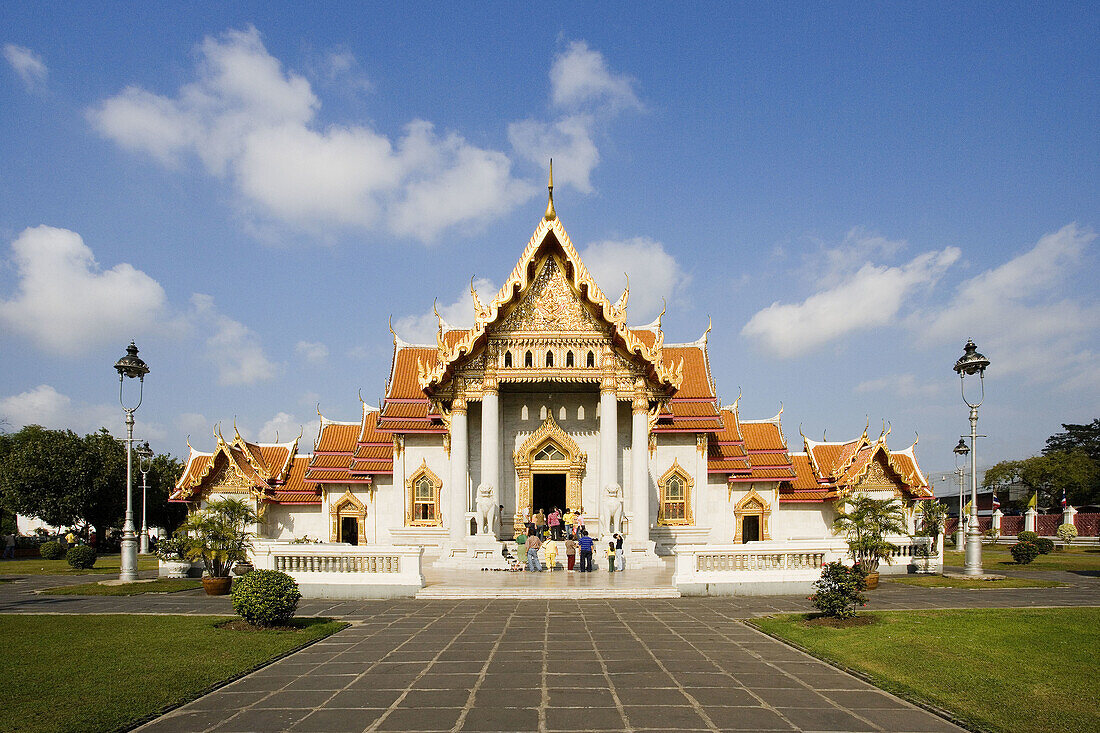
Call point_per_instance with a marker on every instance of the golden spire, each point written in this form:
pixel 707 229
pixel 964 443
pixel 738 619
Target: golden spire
pixel 550 213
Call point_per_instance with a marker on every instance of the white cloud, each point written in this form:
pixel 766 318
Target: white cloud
pixel 587 94
pixel 28 65
pixel 421 329
pixel 1021 312
pixel 568 141
pixel 313 352
pixel 284 427
pixel 655 275
pixel 66 304
pixel 253 123
pixel 870 297
pixel 580 76
pixel 901 385
pixel 194 424
pixel 234 349
pixel 47 407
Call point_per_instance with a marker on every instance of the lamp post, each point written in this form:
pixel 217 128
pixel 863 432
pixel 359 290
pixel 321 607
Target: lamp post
pixel 960 452
pixel 145 465
pixel 130 366
pixel 969 364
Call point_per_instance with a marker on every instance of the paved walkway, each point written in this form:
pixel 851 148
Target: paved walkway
pixel 549 664
pixel 684 665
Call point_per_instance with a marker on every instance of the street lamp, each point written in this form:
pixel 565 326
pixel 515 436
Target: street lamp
pixel 130 366
pixel 960 452
pixel 969 364
pixel 145 465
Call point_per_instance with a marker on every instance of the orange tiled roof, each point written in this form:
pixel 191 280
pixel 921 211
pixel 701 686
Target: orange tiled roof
pixel 337 437
pixel 274 469
pixel 762 436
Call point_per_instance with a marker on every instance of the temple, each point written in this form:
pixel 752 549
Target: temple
pixel 551 400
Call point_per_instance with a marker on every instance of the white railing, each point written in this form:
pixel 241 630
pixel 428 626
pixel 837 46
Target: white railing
pixel 336 570
pixel 755 563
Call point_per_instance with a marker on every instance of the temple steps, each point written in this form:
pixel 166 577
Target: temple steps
pixel 519 592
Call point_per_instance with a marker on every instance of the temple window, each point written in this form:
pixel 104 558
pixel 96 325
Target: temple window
pixel 675 497
pixel 580 412
pixel 542 412
pixel 561 414
pixel 523 413
pixel 423 488
pixel 569 359
pixel 528 360
pixel 591 363
pixel 549 358
pixel 549 452
pixel 507 358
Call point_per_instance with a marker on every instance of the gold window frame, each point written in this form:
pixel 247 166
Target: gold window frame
pixel 675 471
pixel 423 472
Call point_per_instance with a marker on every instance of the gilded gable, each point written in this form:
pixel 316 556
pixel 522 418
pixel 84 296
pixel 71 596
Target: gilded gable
pixel 550 305
pixel 880 477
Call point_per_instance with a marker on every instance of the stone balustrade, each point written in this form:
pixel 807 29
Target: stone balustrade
pixel 336 570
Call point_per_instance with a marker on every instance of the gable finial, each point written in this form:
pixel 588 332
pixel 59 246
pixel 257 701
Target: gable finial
pixel 550 213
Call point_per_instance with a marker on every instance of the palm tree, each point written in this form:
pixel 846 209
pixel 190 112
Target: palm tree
pixel 219 535
pixel 865 525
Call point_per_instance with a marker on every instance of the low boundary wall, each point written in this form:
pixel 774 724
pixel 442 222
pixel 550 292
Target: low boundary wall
pixel 780 567
pixel 339 571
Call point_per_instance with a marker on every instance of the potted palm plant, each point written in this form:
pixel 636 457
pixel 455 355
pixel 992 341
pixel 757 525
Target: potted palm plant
pixel 219 534
pixel 866 522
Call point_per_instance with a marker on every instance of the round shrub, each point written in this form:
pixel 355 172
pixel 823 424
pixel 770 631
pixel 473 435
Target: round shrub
pixel 1066 532
pixel 265 597
pixel 51 550
pixel 1024 552
pixel 1046 546
pixel 81 557
pixel 1027 537
pixel 838 590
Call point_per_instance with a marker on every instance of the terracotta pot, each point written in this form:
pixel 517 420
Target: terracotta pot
pixel 217 586
pixel 872 580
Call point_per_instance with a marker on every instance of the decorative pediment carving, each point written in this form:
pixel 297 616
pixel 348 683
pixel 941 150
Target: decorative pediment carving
pixel 550 305
pixel 880 477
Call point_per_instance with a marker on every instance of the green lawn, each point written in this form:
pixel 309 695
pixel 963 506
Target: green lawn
pixel 103 564
pixel 99 673
pixel 160 585
pixel 1018 670
pixel 998 557
pixel 939 581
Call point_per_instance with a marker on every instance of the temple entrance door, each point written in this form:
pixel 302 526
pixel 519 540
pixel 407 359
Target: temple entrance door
pixel 349 530
pixel 750 529
pixel 547 492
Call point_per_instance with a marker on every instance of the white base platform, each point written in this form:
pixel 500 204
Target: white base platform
pixel 475 553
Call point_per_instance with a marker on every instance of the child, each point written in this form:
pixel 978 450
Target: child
pixel 551 550
pixel 570 551
pixel 611 557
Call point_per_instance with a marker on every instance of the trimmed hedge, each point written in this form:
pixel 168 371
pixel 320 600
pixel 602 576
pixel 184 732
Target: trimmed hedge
pixel 266 597
pixel 1024 552
pixel 837 591
pixel 1027 537
pixel 1045 545
pixel 51 550
pixel 81 557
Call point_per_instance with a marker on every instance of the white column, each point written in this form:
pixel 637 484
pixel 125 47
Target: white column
pixel 609 430
pixel 490 438
pixel 1029 519
pixel 460 453
pixel 639 467
pixel 1068 514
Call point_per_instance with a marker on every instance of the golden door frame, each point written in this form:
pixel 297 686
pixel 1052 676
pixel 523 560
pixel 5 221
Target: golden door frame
pixel 573 466
pixel 751 505
pixel 347 506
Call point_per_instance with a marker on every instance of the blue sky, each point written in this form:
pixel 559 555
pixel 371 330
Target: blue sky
pixel 251 191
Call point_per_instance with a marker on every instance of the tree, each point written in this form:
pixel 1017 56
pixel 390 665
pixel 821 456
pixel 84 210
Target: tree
pixel 39 470
pixel 101 491
pixel 934 517
pixel 1084 438
pixel 1049 474
pixel 163 475
pixel 866 525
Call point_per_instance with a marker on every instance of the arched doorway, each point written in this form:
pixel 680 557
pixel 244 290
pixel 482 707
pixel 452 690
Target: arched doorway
pixel 349 520
pixel 549 467
pixel 751 516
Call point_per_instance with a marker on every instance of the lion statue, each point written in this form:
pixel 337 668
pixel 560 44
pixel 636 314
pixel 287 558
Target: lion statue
pixel 488 512
pixel 611 513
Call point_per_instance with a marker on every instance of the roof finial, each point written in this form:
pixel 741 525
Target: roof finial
pixel 550 213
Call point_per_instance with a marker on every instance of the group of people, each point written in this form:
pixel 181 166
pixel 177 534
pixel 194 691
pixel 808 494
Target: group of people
pixel 543 531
